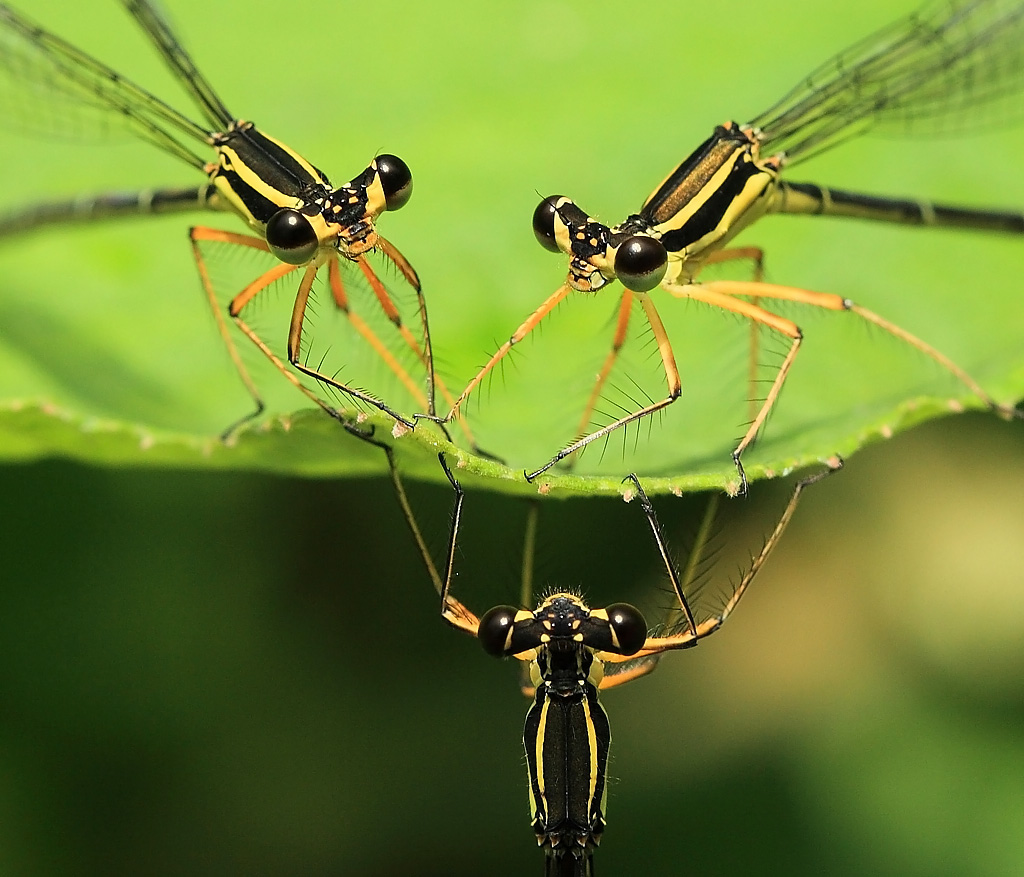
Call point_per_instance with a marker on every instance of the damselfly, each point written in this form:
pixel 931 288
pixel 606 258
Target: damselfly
pixel 294 212
pixel 931 68
pixel 572 652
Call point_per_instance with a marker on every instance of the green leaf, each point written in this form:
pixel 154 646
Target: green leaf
pixel 109 355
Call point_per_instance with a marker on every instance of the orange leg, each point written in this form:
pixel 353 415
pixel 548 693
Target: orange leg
pixel 621 327
pixel 1007 412
pixel 833 302
pixel 280 366
pixel 203 233
pixel 722 294
pixel 239 302
pixel 675 389
pixel 693 633
pixel 294 351
pixel 408 272
pixel 828 301
pixel 528 325
pixel 641 668
pixel 341 300
pixel 756 256
pixel 425 352
pixel 245 296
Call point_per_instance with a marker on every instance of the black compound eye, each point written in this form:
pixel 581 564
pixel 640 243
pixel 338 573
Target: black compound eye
pixel 395 179
pixel 495 627
pixel 629 626
pixel 291 237
pixel 544 223
pixel 640 263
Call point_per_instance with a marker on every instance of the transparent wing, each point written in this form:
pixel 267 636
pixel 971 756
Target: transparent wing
pixel 51 87
pixel 155 25
pixel 940 69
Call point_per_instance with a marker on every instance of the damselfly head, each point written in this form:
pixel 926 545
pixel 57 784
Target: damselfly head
pixel 385 185
pixel 562 620
pixel 560 226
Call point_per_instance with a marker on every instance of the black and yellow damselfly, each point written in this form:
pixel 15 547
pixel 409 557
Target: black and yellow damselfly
pixel 291 208
pixel 930 69
pixel 571 651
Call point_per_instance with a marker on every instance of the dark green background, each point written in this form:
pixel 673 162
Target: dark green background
pixel 207 673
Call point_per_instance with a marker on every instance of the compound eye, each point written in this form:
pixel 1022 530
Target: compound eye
pixel 544 223
pixel 640 263
pixel 291 237
pixel 629 627
pixel 395 179
pixel 495 628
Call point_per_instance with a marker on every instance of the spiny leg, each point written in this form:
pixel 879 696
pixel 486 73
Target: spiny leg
pixel 197 234
pixel 830 301
pixel 452 610
pixel 239 302
pixel 686 639
pixel 1007 412
pixel 675 389
pixel 403 502
pixel 662 544
pixel 527 326
pixel 341 301
pixel 621 327
pixel 294 352
pixel 756 256
pixel 424 354
pixel 721 294
pixel 641 667
pixel 281 367
pixel 203 233
pixel 680 582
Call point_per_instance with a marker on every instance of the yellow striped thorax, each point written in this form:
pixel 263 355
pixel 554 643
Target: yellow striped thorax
pixel 292 203
pixel 722 187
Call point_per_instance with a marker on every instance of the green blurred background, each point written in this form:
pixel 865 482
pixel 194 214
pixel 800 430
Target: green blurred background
pixel 240 674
